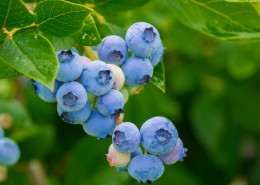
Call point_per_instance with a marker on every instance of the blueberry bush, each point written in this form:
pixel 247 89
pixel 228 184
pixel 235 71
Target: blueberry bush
pixel 207 86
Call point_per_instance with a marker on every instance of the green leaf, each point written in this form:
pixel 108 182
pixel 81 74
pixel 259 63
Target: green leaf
pixel 122 5
pixel 60 18
pixel 7 71
pixel 89 34
pixel 108 28
pixel 220 19
pixel 117 5
pixel 32 55
pixel 2 37
pixel 158 78
pixel 242 1
pixel 14 14
pixel 60 43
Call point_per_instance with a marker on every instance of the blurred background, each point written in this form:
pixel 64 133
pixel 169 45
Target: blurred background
pixel 212 96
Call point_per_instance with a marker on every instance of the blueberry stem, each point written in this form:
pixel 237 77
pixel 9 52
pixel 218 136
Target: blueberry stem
pixel 135 90
pixel 90 53
pixel 94 103
pixel 3 173
pixel 119 121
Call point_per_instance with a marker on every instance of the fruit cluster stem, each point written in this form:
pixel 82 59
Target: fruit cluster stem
pixel 3 173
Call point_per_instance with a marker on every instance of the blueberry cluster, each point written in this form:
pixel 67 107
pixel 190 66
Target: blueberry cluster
pixel 143 40
pixel 158 137
pixel 9 150
pixel 90 93
pixel 86 93
pixel 80 80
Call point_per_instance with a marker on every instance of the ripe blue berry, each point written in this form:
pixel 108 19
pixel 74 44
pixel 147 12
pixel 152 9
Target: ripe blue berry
pixel 158 135
pixel 71 66
pixel 157 56
pixel 2 133
pixel 143 39
pixel 137 152
pixel 126 137
pixel 71 96
pixel 113 49
pixel 76 117
pixel 44 93
pixel 74 50
pixel 98 125
pixel 9 152
pixel 138 71
pixel 146 168
pixel 177 154
pixel 97 78
pixel 111 104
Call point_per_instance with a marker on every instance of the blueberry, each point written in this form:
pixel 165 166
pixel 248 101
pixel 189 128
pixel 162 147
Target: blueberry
pixel 143 39
pixel 97 78
pixel 2 133
pixel 177 154
pixel 113 49
pixel 138 71
pixel 9 152
pixel 123 169
pixel 146 168
pixel 116 158
pixel 98 125
pixel 71 66
pixel 126 137
pixel 76 117
pixel 44 93
pixel 111 104
pixel 71 96
pixel 118 75
pixel 74 50
pixel 158 135
pixel 137 152
pixel 157 56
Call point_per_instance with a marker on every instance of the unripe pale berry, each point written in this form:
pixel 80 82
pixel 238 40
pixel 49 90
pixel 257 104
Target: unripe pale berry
pixel 116 158
pixel 118 75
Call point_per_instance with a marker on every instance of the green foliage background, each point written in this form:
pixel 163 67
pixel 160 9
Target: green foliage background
pixel 212 96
